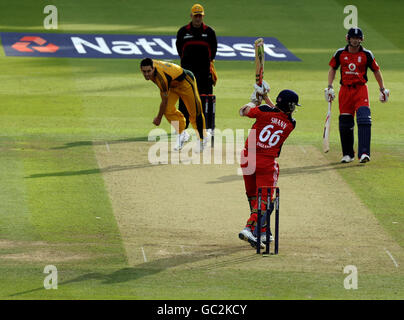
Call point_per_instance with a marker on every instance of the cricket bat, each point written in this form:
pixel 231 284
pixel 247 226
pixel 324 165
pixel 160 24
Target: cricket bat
pixel 326 133
pixel 259 60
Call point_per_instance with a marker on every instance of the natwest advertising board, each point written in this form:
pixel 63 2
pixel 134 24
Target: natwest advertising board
pixel 129 46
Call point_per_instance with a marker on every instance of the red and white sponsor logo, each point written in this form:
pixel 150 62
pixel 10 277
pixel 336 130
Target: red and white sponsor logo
pixel 31 44
pixel 129 46
pixel 352 66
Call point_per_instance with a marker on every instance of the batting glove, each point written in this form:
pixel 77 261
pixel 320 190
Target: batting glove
pixel 263 89
pixel 248 105
pixel 256 98
pixel 329 94
pixel 384 95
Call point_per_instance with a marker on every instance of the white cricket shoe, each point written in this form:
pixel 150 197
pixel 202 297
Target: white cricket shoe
pixel 181 140
pixel 364 158
pixel 347 158
pixel 247 235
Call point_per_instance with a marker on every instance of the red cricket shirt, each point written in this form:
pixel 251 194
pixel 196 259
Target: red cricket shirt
pixel 271 130
pixel 354 65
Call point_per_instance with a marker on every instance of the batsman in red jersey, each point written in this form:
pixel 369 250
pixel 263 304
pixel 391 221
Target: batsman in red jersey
pixel 272 127
pixel 354 61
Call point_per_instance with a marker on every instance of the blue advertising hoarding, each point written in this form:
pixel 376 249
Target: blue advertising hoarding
pixel 130 46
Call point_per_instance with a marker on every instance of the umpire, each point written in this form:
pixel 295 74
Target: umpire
pixel 197 46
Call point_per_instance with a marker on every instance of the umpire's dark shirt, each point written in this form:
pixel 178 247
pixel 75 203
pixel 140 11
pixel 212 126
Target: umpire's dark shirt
pixel 197 48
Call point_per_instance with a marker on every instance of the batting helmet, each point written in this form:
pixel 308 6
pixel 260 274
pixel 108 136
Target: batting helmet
pixel 287 100
pixel 354 33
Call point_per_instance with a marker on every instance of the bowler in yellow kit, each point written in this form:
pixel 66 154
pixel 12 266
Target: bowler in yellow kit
pixel 175 82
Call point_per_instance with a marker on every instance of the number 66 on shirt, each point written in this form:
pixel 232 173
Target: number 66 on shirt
pixel 273 124
pixel 266 136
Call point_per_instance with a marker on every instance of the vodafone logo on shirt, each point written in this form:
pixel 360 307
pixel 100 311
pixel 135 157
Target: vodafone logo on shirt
pixel 130 46
pixel 352 66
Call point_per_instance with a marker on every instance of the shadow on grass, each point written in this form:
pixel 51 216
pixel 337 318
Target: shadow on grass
pixel 92 171
pixel 154 267
pixel 97 142
pixel 318 168
pixel 294 171
pixel 86 143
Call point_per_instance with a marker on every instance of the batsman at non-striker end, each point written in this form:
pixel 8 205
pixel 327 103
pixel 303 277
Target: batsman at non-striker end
pixel 353 61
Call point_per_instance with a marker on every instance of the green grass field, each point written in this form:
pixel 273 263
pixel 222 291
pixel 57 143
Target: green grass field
pixel 55 207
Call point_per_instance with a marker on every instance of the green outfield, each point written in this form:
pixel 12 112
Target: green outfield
pixel 77 191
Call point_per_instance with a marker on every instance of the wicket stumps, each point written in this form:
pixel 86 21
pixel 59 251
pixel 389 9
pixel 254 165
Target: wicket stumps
pixel 270 204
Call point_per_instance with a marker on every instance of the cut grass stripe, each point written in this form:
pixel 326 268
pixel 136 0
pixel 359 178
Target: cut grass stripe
pixel 15 216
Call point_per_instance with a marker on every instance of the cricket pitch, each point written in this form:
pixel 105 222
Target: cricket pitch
pixel 189 216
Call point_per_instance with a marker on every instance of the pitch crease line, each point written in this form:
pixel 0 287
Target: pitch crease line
pixel 144 254
pixel 391 257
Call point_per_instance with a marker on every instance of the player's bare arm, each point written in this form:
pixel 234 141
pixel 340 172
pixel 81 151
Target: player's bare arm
pixel 379 79
pixel 331 76
pixel 268 101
